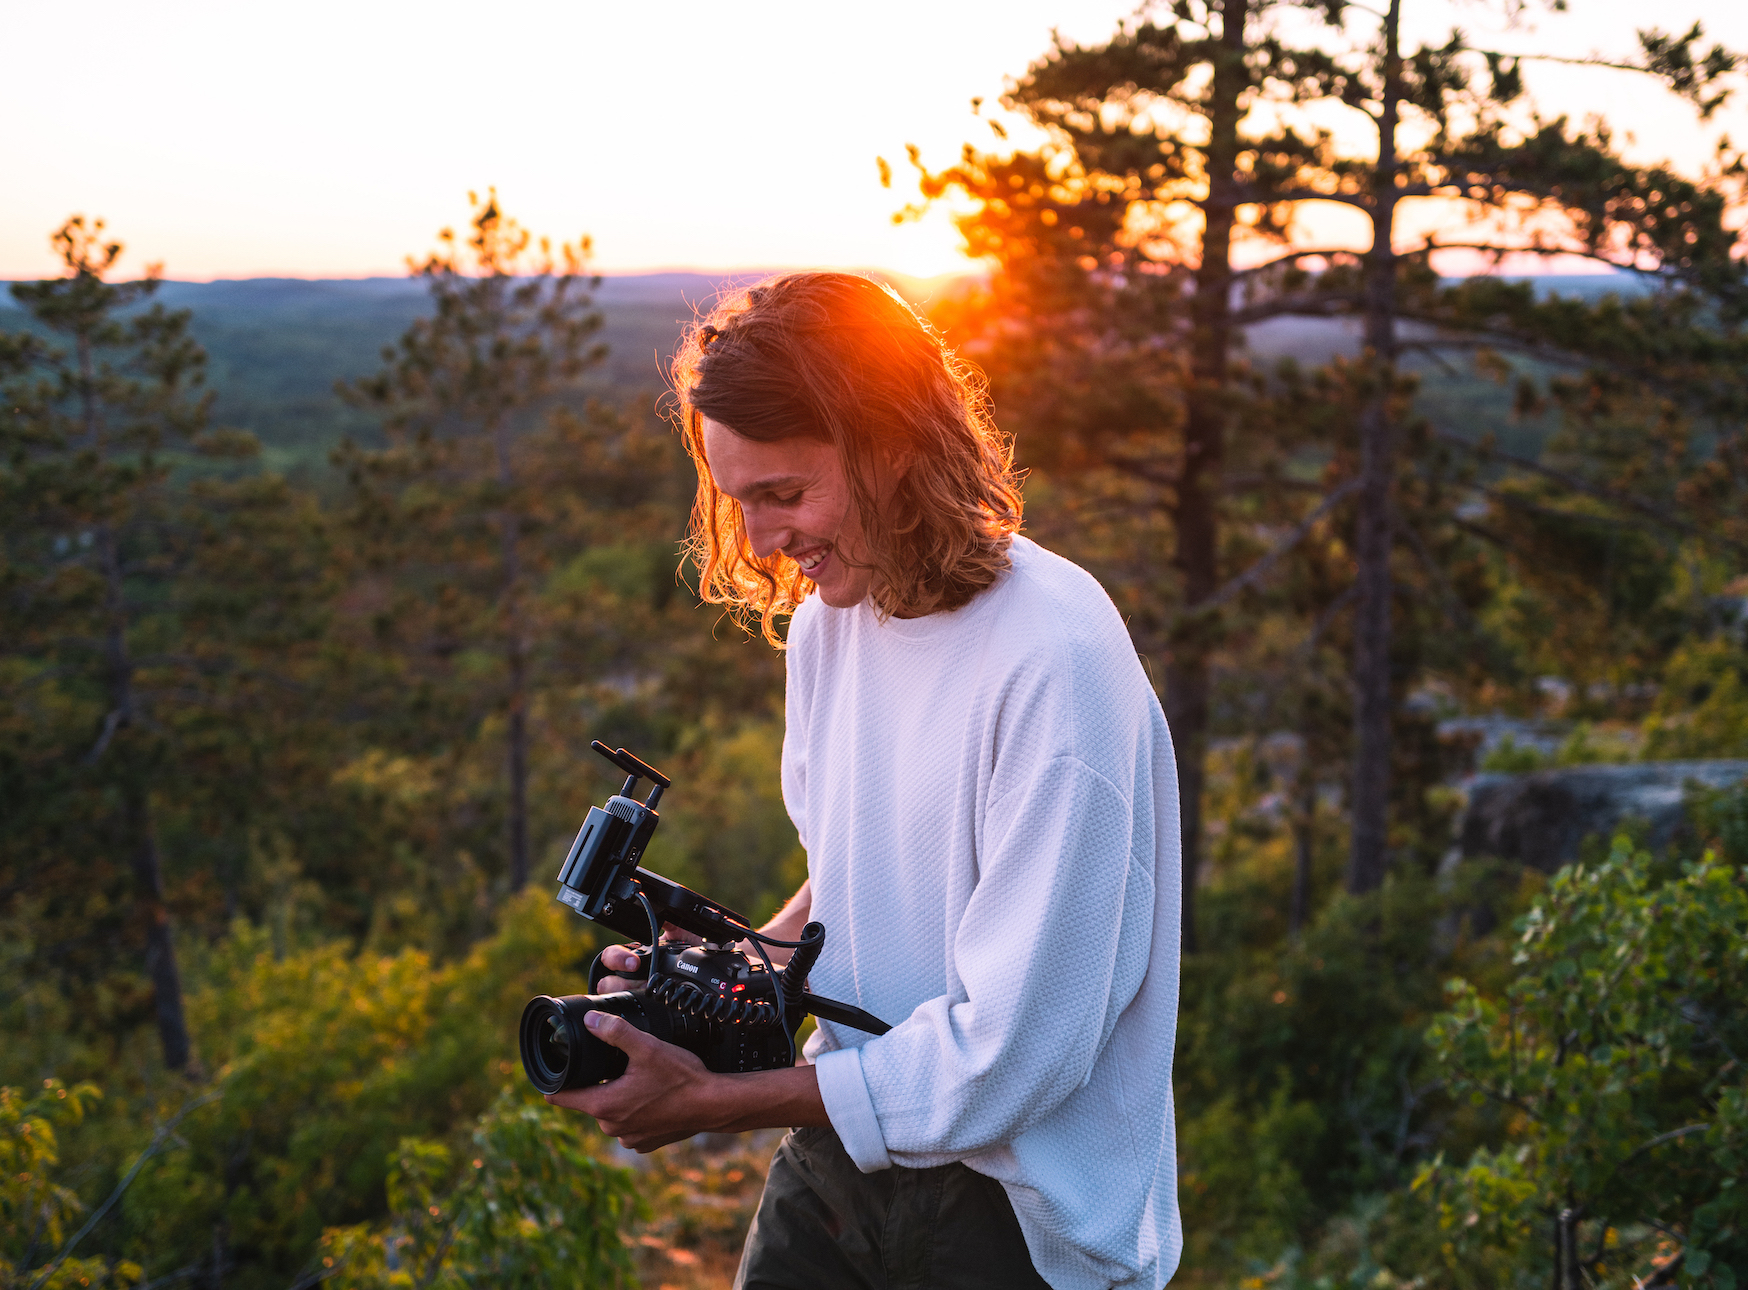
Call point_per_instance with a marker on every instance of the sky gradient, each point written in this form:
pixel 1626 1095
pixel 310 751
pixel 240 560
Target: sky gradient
pixel 330 139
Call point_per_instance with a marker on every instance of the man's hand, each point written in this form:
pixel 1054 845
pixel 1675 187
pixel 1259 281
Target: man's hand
pixel 623 958
pixel 619 958
pixel 666 1094
pixel 662 1097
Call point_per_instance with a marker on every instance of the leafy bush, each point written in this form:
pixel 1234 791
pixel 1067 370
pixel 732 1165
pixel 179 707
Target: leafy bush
pixel 326 1062
pixel 1614 1052
pixel 37 1213
pixel 527 1207
pixel 1302 1075
pixel 1703 708
pixel 1720 819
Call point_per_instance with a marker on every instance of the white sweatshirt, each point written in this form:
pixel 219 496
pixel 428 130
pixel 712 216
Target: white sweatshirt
pixel 989 805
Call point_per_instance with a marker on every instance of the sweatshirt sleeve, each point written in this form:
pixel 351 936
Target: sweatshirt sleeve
pixel 1053 945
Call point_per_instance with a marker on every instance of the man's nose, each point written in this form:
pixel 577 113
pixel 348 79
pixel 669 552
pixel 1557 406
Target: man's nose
pixel 765 535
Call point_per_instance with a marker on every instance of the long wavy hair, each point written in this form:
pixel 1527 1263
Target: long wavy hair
pixel 840 359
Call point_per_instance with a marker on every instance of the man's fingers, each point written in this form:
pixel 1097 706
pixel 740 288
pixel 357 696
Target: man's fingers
pixel 621 958
pixel 617 1031
pixel 575 1099
pixel 599 1100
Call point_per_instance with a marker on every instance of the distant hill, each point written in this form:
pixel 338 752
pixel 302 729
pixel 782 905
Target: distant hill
pixel 276 346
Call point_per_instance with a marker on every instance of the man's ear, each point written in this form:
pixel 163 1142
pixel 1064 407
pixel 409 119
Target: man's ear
pixel 896 461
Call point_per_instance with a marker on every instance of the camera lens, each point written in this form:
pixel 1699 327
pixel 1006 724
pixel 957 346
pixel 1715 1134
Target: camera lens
pixel 555 1045
pixel 559 1053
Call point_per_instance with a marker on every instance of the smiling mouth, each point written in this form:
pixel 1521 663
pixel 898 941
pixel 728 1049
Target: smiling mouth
pixel 813 559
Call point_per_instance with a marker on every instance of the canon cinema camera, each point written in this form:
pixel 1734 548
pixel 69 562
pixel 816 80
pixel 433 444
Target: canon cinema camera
pixel 735 1013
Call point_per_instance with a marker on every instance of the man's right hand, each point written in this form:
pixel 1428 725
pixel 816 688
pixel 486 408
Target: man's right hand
pixel 619 958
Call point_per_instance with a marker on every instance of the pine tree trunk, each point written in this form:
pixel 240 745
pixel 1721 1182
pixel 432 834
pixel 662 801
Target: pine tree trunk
pixel 1369 853
pixel 1559 1281
pixel 1574 1273
pixel 1196 515
pixel 518 734
pixel 136 804
pixel 1304 840
pixel 516 658
pixel 1186 712
pixel 160 945
pixel 137 819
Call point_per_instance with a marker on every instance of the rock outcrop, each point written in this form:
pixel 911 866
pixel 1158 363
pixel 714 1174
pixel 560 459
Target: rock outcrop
pixel 1539 819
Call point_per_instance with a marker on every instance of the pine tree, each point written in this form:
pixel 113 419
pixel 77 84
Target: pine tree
pixel 1089 235
pixel 101 397
pixel 1146 202
pixel 491 481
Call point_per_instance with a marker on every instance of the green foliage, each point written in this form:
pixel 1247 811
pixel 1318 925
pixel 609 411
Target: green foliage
pixel 1720 819
pixel 1245 1193
pixel 1303 1082
pixel 1613 1055
pixel 37 1213
pixel 729 833
pixel 326 1059
pixel 1703 708
pixel 1585 746
pixel 528 1206
pixel 1510 758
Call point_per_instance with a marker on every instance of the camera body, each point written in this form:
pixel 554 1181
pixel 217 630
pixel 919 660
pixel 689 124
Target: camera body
pixel 715 1002
pixel 734 1012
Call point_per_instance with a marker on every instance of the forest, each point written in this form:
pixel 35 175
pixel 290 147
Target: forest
pixel 313 596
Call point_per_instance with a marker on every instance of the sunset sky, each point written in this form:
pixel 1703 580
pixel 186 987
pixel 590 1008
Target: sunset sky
pixel 328 139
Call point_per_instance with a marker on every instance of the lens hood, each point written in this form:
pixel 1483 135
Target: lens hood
pixel 558 1052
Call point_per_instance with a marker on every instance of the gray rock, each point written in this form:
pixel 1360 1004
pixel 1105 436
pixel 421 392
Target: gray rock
pixel 1540 819
pixel 1488 732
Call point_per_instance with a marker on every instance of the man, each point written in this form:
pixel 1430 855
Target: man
pixel 983 781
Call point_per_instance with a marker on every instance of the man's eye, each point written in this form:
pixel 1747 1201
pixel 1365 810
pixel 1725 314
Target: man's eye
pixel 790 500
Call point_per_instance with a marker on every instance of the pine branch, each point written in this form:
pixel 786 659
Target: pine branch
pixel 111 723
pixel 1482 338
pixel 1492 248
pixel 1572 483
pixel 1260 570
pixel 1246 194
pixel 1456 612
pixel 1289 257
pixel 1661 1138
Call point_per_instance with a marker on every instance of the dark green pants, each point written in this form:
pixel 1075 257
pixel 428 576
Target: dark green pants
pixel 823 1224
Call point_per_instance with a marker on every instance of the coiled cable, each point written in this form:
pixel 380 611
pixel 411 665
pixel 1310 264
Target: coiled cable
pixel 793 983
pixel 693 1000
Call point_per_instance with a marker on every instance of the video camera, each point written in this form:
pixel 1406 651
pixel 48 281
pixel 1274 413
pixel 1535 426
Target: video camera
pixel 734 1013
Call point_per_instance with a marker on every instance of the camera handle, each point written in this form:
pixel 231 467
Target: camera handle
pixel 599 969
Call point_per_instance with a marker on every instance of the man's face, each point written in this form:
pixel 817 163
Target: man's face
pixel 795 499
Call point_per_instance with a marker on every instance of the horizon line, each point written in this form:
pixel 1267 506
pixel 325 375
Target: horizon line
pixel 270 275
pixel 752 271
